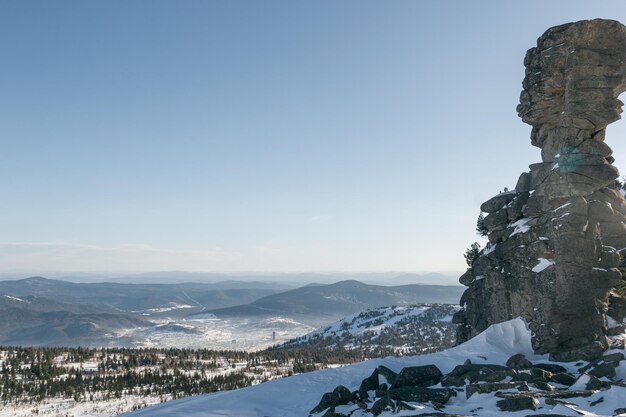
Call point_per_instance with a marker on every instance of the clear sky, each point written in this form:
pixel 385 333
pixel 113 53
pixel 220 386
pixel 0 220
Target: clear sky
pixel 262 135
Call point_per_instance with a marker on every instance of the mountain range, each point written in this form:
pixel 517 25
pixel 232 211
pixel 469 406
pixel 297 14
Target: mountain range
pixel 140 297
pixel 39 321
pixel 41 311
pixel 317 304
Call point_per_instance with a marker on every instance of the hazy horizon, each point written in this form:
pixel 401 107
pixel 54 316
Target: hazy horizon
pixel 301 277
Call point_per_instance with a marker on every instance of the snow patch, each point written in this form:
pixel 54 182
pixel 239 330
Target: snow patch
pixel 611 322
pixel 543 264
pixel 490 248
pixel 10 297
pixel 521 226
pixel 562 207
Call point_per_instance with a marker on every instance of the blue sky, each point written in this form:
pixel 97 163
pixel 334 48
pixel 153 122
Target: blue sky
pixel 265 136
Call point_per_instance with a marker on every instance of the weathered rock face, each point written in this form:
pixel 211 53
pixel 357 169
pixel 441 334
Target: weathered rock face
pixel 553 247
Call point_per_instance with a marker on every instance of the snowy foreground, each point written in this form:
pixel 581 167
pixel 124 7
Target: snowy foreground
pixel 296 396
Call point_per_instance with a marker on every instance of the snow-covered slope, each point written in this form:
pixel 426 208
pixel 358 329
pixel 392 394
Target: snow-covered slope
pixel 406 329
pixel 297 395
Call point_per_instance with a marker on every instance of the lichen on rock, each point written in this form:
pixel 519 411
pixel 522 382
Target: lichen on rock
pixel 553 255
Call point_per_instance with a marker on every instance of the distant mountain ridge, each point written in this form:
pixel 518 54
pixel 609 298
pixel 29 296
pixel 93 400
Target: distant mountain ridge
pixel 284 279
pixel 40 321
pixel 41 311
pixel 138 297
pixel 330 302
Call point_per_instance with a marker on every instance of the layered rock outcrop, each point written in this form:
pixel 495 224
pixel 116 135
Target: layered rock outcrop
pixel 555 241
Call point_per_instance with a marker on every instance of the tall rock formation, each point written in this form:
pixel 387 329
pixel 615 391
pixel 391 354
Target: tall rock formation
pixel 554 242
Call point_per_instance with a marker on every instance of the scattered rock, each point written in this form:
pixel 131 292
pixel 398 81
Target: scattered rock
pixel 519 361
pixel 547 415
pixel 472 389
pixel 452 381
pixel 482 372
pixel 383 404
pixel 563 378
pixel 593 384
pixel 382 390
pixel 420 394
pixel 518 404
pixel 567 394
pixel 614 357
pixel 555 401
pixel 418 376
pixel 496 376
pixel 540 375
pixel 331 413
pixel 551 367
pixel 440 415
pixel 527 377
pixel 514 391
pixel 605 369
pixel 387 373
pixel 544 386
pixel 548 395
pixel 339 396
pixel 370 383
pixel 401 405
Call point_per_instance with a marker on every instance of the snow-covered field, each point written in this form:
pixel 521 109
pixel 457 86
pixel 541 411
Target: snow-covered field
pixel 211 333
pixel 70 408
pixel 296 396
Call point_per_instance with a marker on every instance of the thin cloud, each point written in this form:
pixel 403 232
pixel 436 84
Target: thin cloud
pixel 70 256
